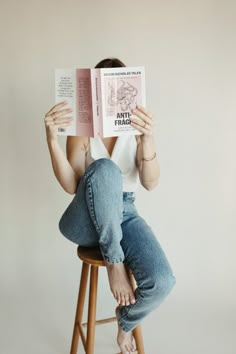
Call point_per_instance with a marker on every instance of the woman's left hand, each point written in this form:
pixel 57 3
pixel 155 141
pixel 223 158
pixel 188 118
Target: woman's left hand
pixel 142 121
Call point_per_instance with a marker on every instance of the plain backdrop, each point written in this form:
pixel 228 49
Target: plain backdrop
pixel 188 50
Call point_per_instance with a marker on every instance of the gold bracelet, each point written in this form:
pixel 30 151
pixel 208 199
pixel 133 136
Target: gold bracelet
pixel 151 158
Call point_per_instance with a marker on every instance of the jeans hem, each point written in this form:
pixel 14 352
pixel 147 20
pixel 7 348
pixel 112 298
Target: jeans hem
pixel 120 323
pixel 113 260
pixel 123 327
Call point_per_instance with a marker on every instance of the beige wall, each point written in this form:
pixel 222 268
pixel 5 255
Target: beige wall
pixel 188 49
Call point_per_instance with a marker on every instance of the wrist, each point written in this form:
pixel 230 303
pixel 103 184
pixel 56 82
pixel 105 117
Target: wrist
pixel 146 139
pixel 52 140
pixel 150 158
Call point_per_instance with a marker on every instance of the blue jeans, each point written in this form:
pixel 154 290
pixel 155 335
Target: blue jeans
pixel 101 214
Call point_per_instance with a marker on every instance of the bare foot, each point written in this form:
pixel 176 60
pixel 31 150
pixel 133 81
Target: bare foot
pixel 124 340
pixel 119 284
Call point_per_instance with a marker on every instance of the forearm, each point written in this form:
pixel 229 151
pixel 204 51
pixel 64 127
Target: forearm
pixel 62 168
pixel 149 171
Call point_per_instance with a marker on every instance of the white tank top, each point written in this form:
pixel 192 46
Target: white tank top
pixel 123 154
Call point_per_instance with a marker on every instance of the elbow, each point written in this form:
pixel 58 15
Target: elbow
pixel 150 185
pixel 72 192
pixel 71 189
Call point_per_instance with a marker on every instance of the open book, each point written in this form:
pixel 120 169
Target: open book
pixel 101 99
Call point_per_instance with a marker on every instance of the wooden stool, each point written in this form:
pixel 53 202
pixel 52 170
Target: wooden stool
pixel 92 259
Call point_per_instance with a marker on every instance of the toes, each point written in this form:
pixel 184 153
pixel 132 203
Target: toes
pixel 133 348
pixel 117 297
pixel 127 302
pixel 123 300
pixel 124 350
pixel 127 348
pixel 132 299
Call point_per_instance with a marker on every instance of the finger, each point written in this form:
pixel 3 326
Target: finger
pixel 48 119
pixel 51 121
pixel 56 107
pixel 142 109
pixel 58 115
pixel 142 124
pixel 63 112
pixel 61 120
pixel 141 129
pixel 61 123
pixel 65 124
pixel 141 116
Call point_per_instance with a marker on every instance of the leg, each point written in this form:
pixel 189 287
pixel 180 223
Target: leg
pixel 137 330
pixel 95 214
pixel 151 269
pixel 94 218
pixel 104 196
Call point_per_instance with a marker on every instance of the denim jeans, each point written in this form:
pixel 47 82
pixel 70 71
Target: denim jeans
pixel 101 214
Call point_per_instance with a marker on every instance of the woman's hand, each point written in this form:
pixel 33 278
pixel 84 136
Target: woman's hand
pixel 142 121
pixel 55 118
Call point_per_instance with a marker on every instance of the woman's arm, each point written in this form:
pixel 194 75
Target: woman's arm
pixel 68 169
pixel 146 158
pixel 148 165
pixel 62 169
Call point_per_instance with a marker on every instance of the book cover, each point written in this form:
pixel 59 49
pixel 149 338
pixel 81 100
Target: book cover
pixel 101 99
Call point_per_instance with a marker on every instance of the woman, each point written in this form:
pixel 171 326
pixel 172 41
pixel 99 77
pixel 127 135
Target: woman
pixel 104 175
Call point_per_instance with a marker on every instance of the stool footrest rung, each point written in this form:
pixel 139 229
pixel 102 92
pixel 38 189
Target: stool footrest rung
pixel 81 331
pixel 99 322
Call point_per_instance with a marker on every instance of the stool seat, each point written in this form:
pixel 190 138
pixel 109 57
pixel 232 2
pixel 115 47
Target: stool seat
pixel 91 255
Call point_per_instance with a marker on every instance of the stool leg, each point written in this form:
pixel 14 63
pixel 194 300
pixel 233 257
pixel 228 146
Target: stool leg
pixel 137 332
pixel 80 307
pixel 92 310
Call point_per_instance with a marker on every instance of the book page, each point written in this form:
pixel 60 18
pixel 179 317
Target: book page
pixel 65 91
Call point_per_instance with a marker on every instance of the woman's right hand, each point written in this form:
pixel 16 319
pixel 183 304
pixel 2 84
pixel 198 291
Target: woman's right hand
pixel 55 118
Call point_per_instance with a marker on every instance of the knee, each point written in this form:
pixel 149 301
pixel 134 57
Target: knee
pixel 164 284
pixel 104 169
pixel 62 226
pixel 159 286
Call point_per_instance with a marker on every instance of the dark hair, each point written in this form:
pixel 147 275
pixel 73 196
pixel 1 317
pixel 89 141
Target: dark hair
pixel 110 63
